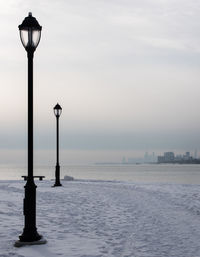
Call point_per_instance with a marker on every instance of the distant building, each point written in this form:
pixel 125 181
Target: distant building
pixel 169 157
pixel 146 157
pixel 149 158
pixel 187 156
pixel 123 160
pixel 179 157
pixel 195 153
pixel 161 159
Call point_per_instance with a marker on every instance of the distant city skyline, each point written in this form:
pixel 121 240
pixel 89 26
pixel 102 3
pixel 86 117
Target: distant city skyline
pixel 152 157
pixel 171 157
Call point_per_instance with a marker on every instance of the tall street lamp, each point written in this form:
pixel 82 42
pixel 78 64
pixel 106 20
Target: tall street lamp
pixel 30 33
pixel 57 111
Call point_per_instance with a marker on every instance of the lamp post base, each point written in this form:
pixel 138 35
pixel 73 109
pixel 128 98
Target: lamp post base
pixel 57 175
pixel 19 243
pixel 57 185
pixel 30 235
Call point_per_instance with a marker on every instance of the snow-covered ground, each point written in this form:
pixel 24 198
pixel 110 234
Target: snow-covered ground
pixel 104 219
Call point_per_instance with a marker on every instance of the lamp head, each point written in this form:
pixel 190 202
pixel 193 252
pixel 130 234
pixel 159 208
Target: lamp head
pixel 57 110
pixel 30 32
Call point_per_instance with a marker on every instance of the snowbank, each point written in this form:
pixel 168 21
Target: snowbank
pixel 104 219
pixel 68 178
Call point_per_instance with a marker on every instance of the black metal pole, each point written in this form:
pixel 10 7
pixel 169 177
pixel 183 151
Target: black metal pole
pixel 30 233
pixel 57 171
pixel 57 139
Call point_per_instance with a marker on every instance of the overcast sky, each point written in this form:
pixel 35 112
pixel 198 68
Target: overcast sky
pixel 126 73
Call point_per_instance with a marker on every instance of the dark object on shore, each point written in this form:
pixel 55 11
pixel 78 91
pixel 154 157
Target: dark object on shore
pixel 68 178
pixel 40 177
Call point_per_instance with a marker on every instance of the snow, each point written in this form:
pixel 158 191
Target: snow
pixel 69 178
pixel 104 219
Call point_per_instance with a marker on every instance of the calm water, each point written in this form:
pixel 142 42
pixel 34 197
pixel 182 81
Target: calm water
pixel 183 174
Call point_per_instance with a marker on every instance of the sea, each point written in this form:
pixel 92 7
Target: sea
pixel 137 173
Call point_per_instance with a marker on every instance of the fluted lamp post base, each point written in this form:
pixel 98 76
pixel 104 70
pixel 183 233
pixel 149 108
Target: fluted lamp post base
pixel 57 173
pixel 57 185
pixel 30 236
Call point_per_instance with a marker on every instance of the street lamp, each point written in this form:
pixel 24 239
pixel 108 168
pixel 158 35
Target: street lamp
pixel 57 111
pixel 30 33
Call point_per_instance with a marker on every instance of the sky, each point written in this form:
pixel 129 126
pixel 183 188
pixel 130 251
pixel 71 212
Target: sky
pixel 126 73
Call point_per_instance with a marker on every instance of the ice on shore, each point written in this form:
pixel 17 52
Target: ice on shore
pixel 68 178
pixel 104 219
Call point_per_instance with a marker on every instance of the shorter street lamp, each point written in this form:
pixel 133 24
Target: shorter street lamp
pixel 57 111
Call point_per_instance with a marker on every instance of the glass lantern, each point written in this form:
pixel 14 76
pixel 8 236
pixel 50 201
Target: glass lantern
pixel 30 32
pixel 57 110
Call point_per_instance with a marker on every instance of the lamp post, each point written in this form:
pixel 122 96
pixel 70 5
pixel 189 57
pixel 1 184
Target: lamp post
pixel 30 33
pixel 57 111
